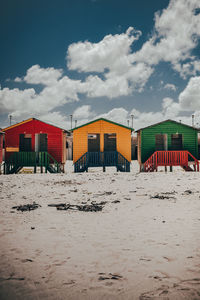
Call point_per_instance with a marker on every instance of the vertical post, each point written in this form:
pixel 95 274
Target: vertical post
pixel 71 120
pixel 132 120
pixel 75 123
pixel 10 119
pixel 193 120
pixel 128 123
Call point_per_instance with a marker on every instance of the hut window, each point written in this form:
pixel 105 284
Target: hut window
pixel 176 141
pixel 110 142
pixel 25 142
pixel 94 142
pixel 161 142
pixel 41 142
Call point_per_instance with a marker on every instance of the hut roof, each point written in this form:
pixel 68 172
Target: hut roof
pixel 102 119
pixel 29 120
pixel 169 120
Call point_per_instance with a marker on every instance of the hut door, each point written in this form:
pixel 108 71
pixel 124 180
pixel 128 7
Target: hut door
pixel 161 142
pixel 41 142
pixel 110 142
pixel 25 142
pixel 176 142
pixel 94 142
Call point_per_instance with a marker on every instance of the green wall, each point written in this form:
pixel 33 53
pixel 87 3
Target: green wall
pixel 190 138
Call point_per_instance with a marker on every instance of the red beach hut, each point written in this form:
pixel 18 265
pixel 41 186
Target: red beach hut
pixel 34 143
pixel 1 148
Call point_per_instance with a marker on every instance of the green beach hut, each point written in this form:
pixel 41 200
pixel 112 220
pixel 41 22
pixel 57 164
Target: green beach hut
pixel 168 143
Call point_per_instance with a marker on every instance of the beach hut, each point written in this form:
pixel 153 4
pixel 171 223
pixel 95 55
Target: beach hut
pixel 1 148
pixel 34 143
pixel 168 143
pixel 102 143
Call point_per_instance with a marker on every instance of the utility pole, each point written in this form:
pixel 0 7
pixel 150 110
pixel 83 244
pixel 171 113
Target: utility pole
pixel 193 120
pixel 75 123
pixel 71 120
pixel 10 119
pixel 132 121
pixel 128 122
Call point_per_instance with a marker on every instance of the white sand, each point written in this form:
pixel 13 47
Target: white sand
pixel 154 244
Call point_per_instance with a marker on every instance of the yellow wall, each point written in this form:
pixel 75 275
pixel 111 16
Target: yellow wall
pixel 80 138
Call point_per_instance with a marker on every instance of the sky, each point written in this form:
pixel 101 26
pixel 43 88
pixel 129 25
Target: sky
pixel 100 58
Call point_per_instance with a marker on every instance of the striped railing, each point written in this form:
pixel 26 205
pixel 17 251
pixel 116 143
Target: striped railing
pixel 102 159
pixel 170 158
pixel 31 159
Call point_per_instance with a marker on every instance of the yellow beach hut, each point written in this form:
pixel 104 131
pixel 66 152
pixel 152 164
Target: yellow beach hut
pixel 102 143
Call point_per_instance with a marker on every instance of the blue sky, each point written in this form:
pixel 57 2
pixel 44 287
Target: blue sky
pixel 93 58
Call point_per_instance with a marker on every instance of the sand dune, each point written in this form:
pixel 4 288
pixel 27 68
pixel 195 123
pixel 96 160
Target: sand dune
pixel 144 244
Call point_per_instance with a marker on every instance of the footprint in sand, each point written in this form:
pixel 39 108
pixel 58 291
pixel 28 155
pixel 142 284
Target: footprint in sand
pixel 156 294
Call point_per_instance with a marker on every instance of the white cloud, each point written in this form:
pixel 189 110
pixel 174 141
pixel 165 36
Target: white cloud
pixel 83 112
pixel 57 119
pixel 38 75
pixel 177 30
pixel 189 99
pixel 110 53
pixel 21 102
pixel 170 86
pixel 18 79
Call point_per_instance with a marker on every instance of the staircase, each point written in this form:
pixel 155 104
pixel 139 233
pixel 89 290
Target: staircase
pixel 18 160
pixel 171 158
pixel 102 159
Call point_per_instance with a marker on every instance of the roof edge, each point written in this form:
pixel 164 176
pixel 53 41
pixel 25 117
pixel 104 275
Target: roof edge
pixel 168 120
pixel 29 120
pixel 102 119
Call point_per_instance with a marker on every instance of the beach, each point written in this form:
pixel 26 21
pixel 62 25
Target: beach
pixel 143 244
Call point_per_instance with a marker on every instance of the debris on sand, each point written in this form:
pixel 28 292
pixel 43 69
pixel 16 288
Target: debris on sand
pixel 110 276
pixel 162 197
pixel 92 207
pixel 27 207
pixel 187 192
pixel 57 205
pixel 87 207
pixel 103 194
pixel 116 201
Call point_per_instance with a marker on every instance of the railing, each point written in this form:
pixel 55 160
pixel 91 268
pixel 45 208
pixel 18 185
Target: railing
pixel 102 159
pixel 31 159
pixel 169 158
pixel 123 163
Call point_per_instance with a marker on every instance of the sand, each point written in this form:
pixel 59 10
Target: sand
pixel 137 247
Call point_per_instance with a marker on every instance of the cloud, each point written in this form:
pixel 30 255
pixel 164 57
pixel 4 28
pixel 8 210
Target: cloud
pixel 18 79
pixel 119 115
pixel 21 102
pixel 176 33
pixel 83 112
pixel 189 99
pixel 111 56
pixel 110 53
pixel 170 86
pixel 38 75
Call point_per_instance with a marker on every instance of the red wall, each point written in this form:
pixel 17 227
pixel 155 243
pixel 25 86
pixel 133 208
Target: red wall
pixel 54 136
pixel 1 148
